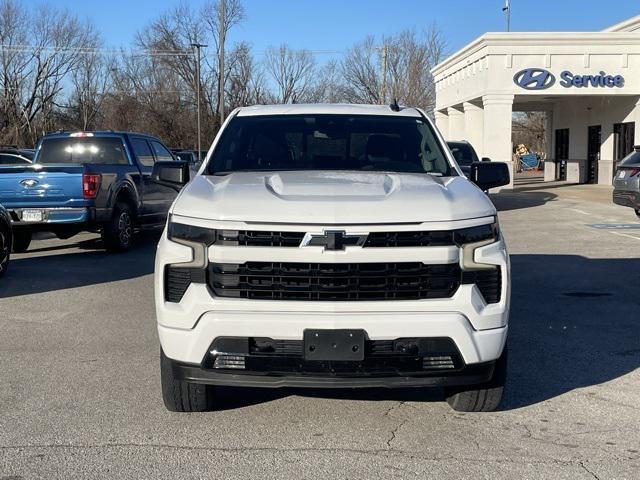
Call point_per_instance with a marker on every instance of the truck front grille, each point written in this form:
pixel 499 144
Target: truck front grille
pixel 334 281
pixel 257 238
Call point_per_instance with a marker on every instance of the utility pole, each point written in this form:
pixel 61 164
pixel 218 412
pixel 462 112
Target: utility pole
pixel 197 47
pixel 383 73
pixel 507 11
pixel 222 28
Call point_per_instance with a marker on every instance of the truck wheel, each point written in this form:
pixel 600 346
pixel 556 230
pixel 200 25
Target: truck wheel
pixel 484 397
pixel 117 235
pixel 21 240
pixel 181 396
pixel 638 212
pixel 5 250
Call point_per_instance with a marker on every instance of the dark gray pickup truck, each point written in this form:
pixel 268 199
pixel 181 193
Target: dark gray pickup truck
pixel 88 181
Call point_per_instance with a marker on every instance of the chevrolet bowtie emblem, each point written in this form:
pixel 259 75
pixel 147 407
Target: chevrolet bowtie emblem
pixel 333 240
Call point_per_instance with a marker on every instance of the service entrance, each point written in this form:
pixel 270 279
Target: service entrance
pixel 562 153
pixel 593 153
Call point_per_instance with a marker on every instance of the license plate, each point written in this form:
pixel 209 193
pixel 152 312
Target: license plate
pixel 32 215
pixel 622 174
pixel 334 345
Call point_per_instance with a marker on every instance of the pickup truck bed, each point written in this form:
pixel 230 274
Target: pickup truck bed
pixel 92 181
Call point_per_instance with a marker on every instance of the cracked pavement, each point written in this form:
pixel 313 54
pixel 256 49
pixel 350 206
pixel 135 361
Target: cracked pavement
pixel 80 392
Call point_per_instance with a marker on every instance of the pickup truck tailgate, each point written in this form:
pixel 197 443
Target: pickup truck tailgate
pixel 41 186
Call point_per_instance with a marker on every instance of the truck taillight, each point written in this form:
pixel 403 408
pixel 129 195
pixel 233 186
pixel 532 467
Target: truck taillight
pixel 90 185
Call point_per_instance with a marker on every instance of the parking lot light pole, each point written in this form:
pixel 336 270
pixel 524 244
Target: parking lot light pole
pixel 197 47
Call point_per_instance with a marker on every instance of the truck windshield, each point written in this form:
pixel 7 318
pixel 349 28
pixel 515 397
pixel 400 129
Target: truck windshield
pixel 329 142
pixel 96 150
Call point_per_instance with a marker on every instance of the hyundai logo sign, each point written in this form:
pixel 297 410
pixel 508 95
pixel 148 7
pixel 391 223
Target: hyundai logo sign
pixel 540 79
pixel 534 79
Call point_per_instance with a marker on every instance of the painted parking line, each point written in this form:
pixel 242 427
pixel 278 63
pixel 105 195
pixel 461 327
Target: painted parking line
pixel 579 211
pixel 615 226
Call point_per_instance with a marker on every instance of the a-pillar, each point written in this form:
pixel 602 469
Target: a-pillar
pixel 442 122
pixel 474 126
pixel 497 129
pixel 456 124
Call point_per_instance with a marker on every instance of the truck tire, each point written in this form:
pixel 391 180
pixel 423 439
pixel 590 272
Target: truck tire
pixel 484 397
pixel 5 250
pixel 638 212
pixel 21 240
pixel 181 396
pixel 117 234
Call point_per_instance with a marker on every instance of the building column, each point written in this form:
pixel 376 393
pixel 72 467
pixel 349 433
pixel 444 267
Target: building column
pixel 456 124
pixel 498 109
pixel 550 155
pixel 442 122
pixel 474 126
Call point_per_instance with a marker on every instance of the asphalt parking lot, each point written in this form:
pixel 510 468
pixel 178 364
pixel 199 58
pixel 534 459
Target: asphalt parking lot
pixel 80 390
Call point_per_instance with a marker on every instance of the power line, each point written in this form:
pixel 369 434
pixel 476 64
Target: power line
pixel 159 53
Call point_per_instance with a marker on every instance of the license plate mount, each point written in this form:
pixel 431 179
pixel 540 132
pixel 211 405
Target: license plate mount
pixel 31 215
pixel 334 345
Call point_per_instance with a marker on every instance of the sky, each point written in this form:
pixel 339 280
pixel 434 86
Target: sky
pixel 334 25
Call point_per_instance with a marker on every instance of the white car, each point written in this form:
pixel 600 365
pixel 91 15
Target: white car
pixel 333 246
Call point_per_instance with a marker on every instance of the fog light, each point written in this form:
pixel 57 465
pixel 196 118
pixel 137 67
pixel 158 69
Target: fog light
pixel 229 361
pixel 439 362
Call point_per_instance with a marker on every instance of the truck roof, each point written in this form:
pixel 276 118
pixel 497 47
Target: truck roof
pixel 96 133
pixel 326 108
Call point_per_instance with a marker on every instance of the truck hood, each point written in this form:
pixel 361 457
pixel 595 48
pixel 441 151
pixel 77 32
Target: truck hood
pixel 331 198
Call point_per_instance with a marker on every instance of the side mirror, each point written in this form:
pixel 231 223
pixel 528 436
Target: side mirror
pixel 486 159
pixel 488 175
pixel 171 174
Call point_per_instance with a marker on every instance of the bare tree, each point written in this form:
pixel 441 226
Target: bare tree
pixel 220 18
pixel 410 60
pixel 245 83
pixel 292 71
pixel 34 75
pixel 361 71
pixel 404 61
pixel 169 39
pixel 90 82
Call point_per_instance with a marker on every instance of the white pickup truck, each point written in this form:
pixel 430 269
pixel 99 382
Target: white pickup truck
pixel 332 246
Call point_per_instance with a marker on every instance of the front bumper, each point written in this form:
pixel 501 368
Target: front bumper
pixel 627 198
pixel 470 375
pixel 187 328
pixel 190 345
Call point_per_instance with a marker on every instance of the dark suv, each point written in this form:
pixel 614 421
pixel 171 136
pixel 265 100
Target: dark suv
pixel 626 183
pixel 465 155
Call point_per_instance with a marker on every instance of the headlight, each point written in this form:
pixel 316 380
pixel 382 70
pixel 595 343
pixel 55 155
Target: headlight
pixel 488 233
pixel 198 238
pixel 470 239
pixel 189 234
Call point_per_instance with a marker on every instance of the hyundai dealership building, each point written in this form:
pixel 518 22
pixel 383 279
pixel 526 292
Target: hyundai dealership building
pixel 588 83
